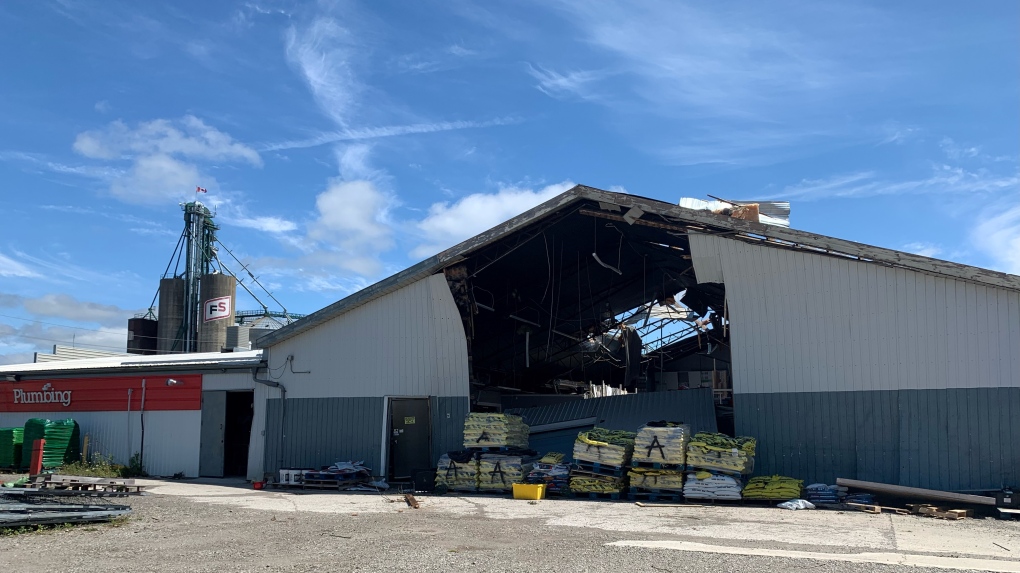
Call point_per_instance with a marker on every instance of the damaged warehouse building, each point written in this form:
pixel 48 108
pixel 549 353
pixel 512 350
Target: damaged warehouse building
pixel 603 308
pixel 843 360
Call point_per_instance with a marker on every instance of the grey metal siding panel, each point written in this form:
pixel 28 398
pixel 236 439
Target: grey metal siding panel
pixel 320 431
pixel 808 322
pixel 921 438
pixel 630 412
pixel 448 415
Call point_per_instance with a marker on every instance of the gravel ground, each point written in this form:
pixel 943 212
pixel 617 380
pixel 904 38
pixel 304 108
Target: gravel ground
pixel 217 529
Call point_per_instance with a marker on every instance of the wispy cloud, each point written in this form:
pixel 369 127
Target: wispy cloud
pixel 686 75
pixel 368 133
pixel 573 84
pixel 12 268
pixel 944 179
pixel 142 226
pixel 40 163
pixel 321 52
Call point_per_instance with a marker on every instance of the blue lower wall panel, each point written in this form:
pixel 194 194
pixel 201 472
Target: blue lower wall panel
pixel 951 439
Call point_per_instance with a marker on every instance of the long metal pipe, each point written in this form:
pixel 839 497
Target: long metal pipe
pixel 283 404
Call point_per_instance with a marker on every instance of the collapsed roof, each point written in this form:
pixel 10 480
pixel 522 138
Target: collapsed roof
pixel 592 284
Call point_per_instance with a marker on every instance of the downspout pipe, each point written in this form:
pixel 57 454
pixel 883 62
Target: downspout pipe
pixel 283 406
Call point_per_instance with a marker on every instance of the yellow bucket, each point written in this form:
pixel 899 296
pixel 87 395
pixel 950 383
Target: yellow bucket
pixel 529 491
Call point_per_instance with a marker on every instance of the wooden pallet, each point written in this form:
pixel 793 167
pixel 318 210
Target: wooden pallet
pixel 664 495
pixel 658 466
pixel 84 485
pixel 937 512
pixel 876 509
pixel 595 495
pixel 599 469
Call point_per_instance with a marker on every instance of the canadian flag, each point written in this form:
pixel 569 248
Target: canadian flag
pixel 201 189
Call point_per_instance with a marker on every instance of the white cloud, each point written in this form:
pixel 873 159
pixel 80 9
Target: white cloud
pixel 12 268
pixel 102 106
pixel 188 137
pixel 352 225
pixel 69 308
pixel 923 248
pixel 157 178
pixel 998 235
pixel 321 53
pixel 353 161
pixel 449 223
pixel 74 322
pixel 165 156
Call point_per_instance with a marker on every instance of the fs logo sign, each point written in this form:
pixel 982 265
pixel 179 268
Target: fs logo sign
pixel 216 309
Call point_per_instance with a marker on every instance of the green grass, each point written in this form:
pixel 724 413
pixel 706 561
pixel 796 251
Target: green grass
pixel 104 467
pixel 98 467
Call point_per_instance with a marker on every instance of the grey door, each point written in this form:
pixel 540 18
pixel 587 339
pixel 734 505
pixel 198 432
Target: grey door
pixel 214 418
pixel 410 437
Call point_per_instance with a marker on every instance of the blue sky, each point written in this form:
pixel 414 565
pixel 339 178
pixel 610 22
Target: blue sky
pixel 342 141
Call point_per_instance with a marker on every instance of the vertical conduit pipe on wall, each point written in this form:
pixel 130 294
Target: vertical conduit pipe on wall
pixel 283 403
pixel 130 390
pixel 141 415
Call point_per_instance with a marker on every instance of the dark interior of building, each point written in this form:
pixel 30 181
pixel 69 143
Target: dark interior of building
pixel 591 295
pixel 237 432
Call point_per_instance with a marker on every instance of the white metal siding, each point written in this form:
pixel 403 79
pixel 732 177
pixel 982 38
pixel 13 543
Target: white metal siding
pixel 236 380
pixel 803 322
pixel 408 343
pixel 171 437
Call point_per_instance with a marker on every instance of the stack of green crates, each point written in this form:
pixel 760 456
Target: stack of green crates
pixel 10 447
pixel 63 442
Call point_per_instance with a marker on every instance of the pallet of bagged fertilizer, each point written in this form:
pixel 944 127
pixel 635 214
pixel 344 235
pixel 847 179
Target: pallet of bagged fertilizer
pixel 642 494
pixel 597 468
pixel 490 449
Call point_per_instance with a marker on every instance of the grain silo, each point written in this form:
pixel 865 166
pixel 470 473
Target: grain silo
pixel 218 292
pixel 170 331
pixel 142 335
